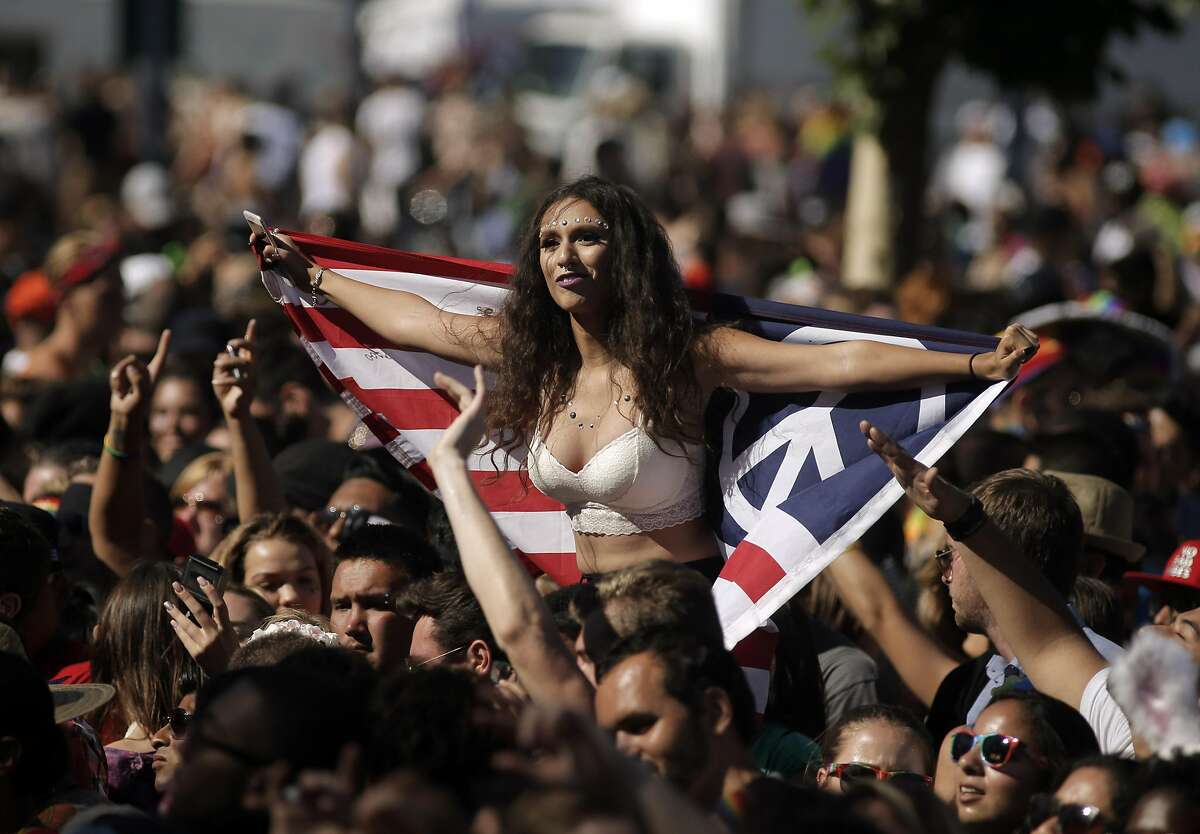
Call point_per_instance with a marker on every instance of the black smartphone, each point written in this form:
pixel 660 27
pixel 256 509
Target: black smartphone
pixel 196 567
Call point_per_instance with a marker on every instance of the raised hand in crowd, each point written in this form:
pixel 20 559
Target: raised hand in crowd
pixel 1030 614
pixel 233 381
pixel 210 638
pixel 132 382
pixel 234 375
pixel 921 661
pixel 516 613
pixel 121 534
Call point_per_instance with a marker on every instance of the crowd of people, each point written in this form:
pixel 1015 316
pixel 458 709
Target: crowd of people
pixel 1013 647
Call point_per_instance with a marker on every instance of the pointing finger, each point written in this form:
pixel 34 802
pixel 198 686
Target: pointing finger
pixel 160 355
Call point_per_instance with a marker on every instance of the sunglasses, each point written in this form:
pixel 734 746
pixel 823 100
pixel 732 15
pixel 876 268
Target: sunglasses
pixel 1072 818
pixel 995 749
pixel 178 720
pixel 356 518
pixel 411 666
pixel 853 773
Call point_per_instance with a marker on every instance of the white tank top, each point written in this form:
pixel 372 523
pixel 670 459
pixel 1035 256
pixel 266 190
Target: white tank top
pixel 629 486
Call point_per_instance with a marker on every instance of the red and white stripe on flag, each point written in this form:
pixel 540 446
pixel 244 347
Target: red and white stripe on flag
pixel 392 390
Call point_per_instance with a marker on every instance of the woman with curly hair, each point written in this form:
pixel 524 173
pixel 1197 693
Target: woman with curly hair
pixel 602 375
pixel 282 559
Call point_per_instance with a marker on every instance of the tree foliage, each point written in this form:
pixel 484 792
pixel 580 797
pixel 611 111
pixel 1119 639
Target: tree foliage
pixel 1059 46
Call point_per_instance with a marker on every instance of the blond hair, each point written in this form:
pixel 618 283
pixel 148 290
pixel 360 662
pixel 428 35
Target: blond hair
pixel 200 470
pixel 659 595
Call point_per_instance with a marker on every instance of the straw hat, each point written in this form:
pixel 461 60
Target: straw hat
pixel 76 699
pixel 70 700
pixel 1107 511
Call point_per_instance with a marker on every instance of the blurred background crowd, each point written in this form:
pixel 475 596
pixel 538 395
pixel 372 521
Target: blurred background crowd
pixel 438 128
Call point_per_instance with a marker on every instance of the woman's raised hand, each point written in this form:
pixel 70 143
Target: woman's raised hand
pixel 132 383
pixel 279 252
pixel 211 640
pixel 466 433
pixel 1017 346
pixel 233 375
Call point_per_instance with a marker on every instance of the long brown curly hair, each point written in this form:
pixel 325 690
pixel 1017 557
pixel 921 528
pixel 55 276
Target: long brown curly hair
pixel 649 328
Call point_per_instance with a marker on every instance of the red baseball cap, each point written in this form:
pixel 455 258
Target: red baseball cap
pixel 1182 570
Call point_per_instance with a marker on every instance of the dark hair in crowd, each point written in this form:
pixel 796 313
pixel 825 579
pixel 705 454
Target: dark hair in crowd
pixel 1060 733
pixel 312 710
pixel 24 560
pixel 898 717
pixel 1122 779
pixel 446 599
pixel 399 547
pixel 1039 514
pixel 410 502
pixel 1099 607
pixel 690 667
pixel 559 602
pixel 138 652
pixel 425 720
pixel 649 329
pixel 268 650
pixel 1179 776
pixel 27 715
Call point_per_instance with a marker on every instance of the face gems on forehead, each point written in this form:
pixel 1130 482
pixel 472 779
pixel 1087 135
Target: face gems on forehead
pixel 558 224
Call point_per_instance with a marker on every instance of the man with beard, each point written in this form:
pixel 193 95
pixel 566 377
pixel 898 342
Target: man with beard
pixel 685 710
pixel 374 565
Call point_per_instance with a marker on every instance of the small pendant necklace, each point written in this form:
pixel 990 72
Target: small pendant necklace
pixel 573 414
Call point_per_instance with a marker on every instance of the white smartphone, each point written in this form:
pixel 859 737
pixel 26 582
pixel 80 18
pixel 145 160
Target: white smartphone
pixel 269 277
pixel 257 225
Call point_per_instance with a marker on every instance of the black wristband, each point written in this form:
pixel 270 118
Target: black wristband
pixel 971 366
pixel 969 522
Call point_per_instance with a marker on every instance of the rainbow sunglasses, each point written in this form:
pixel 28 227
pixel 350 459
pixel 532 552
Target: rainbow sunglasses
pixel 995 749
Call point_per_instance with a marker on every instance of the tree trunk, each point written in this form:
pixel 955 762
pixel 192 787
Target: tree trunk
pixel 904 132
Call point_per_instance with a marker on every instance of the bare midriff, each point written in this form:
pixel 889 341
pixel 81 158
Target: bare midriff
pixel 685 542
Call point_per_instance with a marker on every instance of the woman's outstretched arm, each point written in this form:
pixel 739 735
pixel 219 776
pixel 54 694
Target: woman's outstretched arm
pixel 750 363
pixel 518 617
pixel 402 318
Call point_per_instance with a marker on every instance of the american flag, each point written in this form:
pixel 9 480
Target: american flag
pixel 791 481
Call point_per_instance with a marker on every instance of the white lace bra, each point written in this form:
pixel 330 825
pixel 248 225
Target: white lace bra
pixel 629 486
